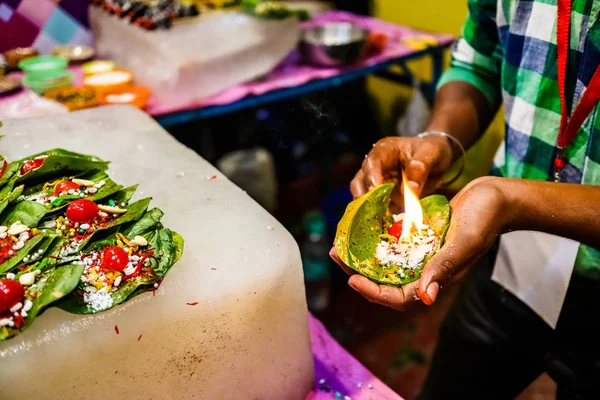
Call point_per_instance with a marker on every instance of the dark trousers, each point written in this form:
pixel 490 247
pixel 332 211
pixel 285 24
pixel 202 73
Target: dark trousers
pixel 492 346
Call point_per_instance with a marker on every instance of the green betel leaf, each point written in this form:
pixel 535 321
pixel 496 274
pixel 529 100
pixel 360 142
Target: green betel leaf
pixel 124 195
pixel 17 258
pixel 9 173
pixel 110 188
pixel 367 218
pixel 27 212
pixel 135 211
pixel 149 221
pixel 52 286
pixel 12 196
pixel 165 255
pixel 179 246
pixel 59 162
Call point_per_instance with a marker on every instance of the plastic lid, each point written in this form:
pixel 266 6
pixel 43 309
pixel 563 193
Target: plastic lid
pixel 41 66
pixel 315 223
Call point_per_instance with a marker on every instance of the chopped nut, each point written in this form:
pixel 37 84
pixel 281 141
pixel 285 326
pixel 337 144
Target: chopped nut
pixel 28 278
pixel 17 228
pixel 138 241
pixel 111 209
pixel 83 182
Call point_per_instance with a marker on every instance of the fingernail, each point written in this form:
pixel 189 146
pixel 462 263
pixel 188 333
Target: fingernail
pixel 432 291
pixel 351 284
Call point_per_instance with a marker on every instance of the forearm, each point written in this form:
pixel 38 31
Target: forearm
pixel 562 209
pixel 461 110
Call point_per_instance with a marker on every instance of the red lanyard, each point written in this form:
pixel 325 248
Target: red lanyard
pixel 569 126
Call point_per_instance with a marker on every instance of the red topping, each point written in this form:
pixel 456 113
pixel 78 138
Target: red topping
pixel 30 165
pixel 139 337
pixel 117 329
pixel 3 170
pixel 114 258
pixel 6 249
pixel 82 211
pixel 11 292
pixel 64 187
pixel 140 264
pixel 195 303
pixel 396 230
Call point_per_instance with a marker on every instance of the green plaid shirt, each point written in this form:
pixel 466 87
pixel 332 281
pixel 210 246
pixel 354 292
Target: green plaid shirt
pixel 508 51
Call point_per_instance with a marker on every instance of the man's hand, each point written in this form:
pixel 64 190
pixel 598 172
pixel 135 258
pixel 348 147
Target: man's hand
pixel 479 215
pixel 424 161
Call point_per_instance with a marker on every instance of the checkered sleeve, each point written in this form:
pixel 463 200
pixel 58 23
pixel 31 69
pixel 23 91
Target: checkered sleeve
pixel 477 55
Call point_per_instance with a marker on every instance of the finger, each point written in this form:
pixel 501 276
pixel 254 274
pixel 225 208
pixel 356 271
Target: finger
pixel 418 164
pixel 338 261
pixel 443 267
pixel 393 297
pixel 373 170
pixel 357 186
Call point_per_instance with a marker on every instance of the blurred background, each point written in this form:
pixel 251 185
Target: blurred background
pixel 288 125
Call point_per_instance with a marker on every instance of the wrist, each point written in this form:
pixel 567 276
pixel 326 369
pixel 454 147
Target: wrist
pixel 444 143
pixel 510 203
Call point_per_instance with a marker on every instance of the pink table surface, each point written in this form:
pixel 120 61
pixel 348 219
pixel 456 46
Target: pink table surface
pixel 341 372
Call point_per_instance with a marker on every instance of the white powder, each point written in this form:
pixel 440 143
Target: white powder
pixel 405 254
pixel 97 300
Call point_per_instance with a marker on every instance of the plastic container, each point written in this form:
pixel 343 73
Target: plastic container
pixel 43 67
pixel 108 81
pixel 136 96
pixel 98 67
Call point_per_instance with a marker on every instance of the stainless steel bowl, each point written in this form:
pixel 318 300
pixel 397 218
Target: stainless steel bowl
pixel 334 44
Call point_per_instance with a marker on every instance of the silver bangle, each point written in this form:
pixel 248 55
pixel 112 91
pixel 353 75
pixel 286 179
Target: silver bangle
pixel 454 141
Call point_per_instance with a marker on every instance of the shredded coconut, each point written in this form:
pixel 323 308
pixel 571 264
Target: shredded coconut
pixel 406 253
pixel 97 300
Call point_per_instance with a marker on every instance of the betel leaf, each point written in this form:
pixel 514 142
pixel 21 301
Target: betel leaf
pixel 124 195
pixel 45 247
pixel 179 246
pixel 59 162
pixel 105 191
pixel 134 212
pixel 16 259
pixel 11 168
pixel 53 285
pixel 149 221
pixel 11 198
pixel 165 255
pixel 27 212
pixel 365 219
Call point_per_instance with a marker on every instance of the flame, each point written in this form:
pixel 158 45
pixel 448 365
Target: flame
pixel 413 212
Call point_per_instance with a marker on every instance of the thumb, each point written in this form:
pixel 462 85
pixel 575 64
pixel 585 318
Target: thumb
pixel 438 271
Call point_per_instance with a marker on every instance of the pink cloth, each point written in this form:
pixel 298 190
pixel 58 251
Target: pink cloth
pixel 342 372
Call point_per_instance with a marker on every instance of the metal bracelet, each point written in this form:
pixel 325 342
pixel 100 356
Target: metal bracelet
pixel 454 141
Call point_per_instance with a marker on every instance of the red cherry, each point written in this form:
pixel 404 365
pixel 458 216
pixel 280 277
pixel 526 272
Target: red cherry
pixel 559 163
pixel 396 229
pixel 114 258
pixel 64 187
pixel 82 211
pixel 11 292
pixel 30 165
